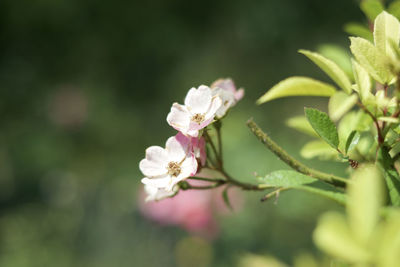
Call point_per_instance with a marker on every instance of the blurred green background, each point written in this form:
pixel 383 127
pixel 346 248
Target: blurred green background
pixel 85 88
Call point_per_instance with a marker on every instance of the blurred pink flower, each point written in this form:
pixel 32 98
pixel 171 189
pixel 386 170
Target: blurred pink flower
pixel 193 210
pixel 198 111
pixel 189 209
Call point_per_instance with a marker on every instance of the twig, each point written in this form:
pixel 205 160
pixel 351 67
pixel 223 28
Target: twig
pixel 207 179
pixel 217 126
pixel 292 162
pixel 244 186
pixel 210 141
pixel 273 193
pixel 381 139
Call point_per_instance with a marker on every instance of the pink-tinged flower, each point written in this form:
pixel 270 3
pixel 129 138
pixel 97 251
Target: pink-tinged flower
pixel 229 85
pixel 198 112
pixel 226 90
pixel 164 168
pixel 156 194
pixel 199 149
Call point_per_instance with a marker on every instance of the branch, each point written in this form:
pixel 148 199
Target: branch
pixel 244 186
pixel 292 162
pixel 207 179
pixel 208 139
pixel 217 126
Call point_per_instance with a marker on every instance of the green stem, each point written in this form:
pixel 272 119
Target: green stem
pixel 292 162
pixel 217 126
pixel 210 141
pixel 378 128
pixel 244 186
pixel 189 186
pixel 207 179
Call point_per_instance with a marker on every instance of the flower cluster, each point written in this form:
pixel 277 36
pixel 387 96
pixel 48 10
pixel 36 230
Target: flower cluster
pixel 185 152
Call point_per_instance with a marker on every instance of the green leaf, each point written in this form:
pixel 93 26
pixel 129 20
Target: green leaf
pixel 340 103
pixel 337 54
pixel 367 146
pixel 324 127
pixel 363 81
pixel 352 140
pixel 297 86
pixel 358 29
pixel 331 69
pixel 371 8
pixel 294 180
pixel 366 197
pixel 391 137
pixel 334 237
pixel 392 177
pixel 286 179
pixel 354 120
pixel 386 30
pixel 318 149
pixel 394 8
pixel 374 62
pixel 393 184
pixel 301 124
pixel 389 119
pixel 381 101
pixel 395 150
pixel 226 198
pixel 395 54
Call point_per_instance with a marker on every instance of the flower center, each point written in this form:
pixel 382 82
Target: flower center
pixel 173 168
pixel 198 118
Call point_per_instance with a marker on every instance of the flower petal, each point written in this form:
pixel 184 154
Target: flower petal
pixel 225 84
pixel 155 162
pixel 188 168
pixel 239 94
pixel 177 149
pixel 198 100
pixel 193 132
pixel 228 85
pixel 156 194
pixel 215 105
pixel 179 117
pixel 228 101
pixel 199 149
pixel 160 182
pixel 183 140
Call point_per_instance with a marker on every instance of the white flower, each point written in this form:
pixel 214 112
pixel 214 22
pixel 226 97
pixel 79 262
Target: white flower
pixel 156 194
pixel 164 168
pixel 226 90
pixel 198 112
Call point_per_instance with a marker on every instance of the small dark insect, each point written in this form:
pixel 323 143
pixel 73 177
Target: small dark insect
pixel 353 163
